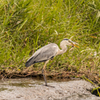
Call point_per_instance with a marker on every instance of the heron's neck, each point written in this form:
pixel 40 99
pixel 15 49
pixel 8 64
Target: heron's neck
pixel 63 48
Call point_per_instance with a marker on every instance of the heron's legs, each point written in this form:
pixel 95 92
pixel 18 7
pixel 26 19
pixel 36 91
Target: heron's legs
pixel 43 72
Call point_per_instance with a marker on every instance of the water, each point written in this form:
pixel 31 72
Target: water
pixel 32 89
pixel 22 82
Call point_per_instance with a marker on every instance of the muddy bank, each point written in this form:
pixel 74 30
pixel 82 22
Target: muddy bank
pixel 51 75
pixel 30 89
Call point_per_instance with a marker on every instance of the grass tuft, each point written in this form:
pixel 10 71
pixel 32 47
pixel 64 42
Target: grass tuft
pixel 27 25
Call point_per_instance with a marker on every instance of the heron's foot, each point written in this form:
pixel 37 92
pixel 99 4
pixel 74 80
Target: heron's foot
pixel 46 84
pixel 49 86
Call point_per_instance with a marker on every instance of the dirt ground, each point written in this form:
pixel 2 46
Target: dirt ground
pixel 51 75
pixel 17 85
pixel 31 89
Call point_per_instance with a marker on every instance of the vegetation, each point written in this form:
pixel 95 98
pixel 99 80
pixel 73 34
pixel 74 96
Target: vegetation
pixel 27 25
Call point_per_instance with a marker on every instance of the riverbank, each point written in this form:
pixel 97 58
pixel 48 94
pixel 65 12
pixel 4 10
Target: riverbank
pixel 51 74
pixel 30 89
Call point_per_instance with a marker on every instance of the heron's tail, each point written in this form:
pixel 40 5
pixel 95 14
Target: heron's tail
pixel 29 62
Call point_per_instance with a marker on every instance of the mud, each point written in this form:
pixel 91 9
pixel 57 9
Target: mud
pixel 31 89
pixel 51 75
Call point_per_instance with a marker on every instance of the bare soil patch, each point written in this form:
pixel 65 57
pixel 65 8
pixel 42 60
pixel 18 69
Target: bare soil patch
pixel 54 75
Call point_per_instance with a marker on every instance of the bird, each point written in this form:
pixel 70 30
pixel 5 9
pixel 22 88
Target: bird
pixel 47 52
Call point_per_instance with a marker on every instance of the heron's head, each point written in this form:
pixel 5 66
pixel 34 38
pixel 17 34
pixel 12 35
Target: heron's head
pixel 70 42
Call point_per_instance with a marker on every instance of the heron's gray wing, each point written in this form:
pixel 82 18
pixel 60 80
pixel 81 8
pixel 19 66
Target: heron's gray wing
pixel 43 54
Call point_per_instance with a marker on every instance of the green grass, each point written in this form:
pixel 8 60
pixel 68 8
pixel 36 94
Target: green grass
pixel 27 25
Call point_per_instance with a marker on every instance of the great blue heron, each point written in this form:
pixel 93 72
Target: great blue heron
pixel 47 52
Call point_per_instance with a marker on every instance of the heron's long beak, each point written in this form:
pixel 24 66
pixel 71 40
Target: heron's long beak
pixel 76 45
